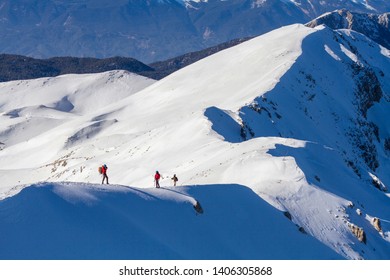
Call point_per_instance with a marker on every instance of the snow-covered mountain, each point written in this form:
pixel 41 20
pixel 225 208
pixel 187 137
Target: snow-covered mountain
pixel 149 30
pixel 296 117
pixel 221 19
pixel 374 26
pixel 315 8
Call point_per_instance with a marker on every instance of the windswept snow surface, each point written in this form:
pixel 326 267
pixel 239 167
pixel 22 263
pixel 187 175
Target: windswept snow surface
pixel 85 221
pixel 298 115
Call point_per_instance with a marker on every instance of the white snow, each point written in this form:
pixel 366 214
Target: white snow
pixel 331 53
pixel 258 3
pixel 83 221
pixel 294 158
pixel 348 53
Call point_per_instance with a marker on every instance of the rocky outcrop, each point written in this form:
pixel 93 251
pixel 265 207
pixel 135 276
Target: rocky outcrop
pixel 374 26
pixel 287 215
pixel 198 208
pixel 358 232
pixel 377 224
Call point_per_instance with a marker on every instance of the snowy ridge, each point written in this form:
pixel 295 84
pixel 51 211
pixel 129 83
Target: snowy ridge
pixel 374 26
pixel 297 115
pixel 117 222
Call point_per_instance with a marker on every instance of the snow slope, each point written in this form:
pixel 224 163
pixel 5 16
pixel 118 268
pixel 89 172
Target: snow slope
pixel 83 221
pixel 34 109
pixel 297 115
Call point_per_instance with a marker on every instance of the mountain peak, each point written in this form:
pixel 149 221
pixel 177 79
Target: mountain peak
pixel 374 26
pixel 296 117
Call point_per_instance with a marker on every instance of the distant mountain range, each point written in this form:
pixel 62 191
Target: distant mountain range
pixel 16 67
pixel 149 30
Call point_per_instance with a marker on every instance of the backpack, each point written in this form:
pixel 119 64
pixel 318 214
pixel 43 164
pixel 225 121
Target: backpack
pixel 157 176
pixel 100 170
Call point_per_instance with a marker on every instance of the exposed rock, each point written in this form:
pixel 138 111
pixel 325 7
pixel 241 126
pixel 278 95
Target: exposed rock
pixel 302 230
pixel 376 182
pixel 377 224
pixel 198 208
pixel 368 89
pixel 364 139
pixel 374 26
pixel 358 232
pixel 387 145
pixel 288 215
